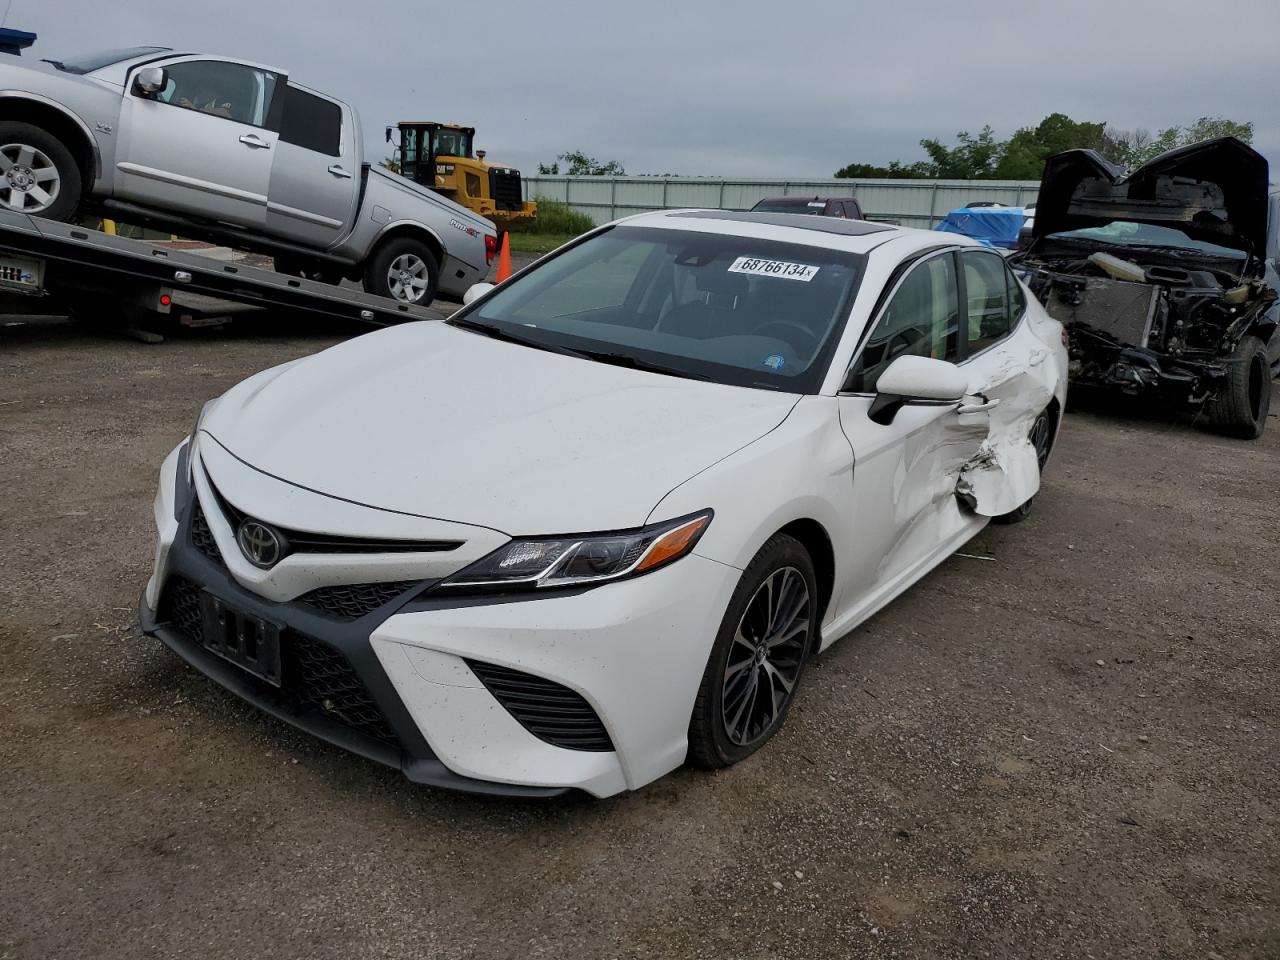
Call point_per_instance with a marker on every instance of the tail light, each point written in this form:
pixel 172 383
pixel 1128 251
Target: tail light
pixel 490 248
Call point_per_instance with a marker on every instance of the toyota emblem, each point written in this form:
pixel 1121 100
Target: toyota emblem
pixel 261 546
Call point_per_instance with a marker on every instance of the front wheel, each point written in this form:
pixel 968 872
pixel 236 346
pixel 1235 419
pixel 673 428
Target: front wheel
pixel 758 657
pixel 405 270
pixel 1241 407
pixel 38 174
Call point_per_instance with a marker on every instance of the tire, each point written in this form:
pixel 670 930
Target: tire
pixel 1241 407
pixel 307 270
pixel 729 722
pixel 41 177
pixel 406 257
pixel 1041 436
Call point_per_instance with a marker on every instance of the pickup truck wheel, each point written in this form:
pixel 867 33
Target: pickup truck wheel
pixel 1241 407
pixel 38 174
pixel 404 270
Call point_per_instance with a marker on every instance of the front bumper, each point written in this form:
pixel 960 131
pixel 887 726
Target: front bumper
pixel 408 696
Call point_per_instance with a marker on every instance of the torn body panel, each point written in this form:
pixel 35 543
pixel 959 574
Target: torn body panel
pixel 1020 378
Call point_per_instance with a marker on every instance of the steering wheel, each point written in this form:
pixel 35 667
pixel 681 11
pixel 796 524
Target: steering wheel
pixel 808 339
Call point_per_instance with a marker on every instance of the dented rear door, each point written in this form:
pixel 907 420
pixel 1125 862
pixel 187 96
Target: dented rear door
pixel 1012 370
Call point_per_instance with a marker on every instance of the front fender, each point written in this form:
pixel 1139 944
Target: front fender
pixel 800 470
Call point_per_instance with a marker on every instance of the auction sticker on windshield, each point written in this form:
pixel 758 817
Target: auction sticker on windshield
pixel 774 268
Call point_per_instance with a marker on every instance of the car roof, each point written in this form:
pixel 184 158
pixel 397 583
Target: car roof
pixel 853 236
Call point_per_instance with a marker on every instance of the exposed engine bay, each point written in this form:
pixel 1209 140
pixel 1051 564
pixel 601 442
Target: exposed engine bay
pixel 1161 276
pixel 1139 323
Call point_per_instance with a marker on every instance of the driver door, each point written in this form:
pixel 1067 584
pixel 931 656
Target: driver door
pixel 203 145
pixel 905 511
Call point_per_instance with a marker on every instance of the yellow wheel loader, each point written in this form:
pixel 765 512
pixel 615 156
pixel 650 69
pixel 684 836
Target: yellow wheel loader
pixel 440 156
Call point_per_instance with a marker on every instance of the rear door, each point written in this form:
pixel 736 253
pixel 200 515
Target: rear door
pixel 315 176
pixel 203 144
pixel 905 509
pixel 1004 358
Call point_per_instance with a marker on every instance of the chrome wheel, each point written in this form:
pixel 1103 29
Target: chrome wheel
pixel 29 181
pixel 766 656
pixel 408 277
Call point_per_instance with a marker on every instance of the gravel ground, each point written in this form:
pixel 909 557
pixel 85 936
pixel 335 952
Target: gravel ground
pixel 1068 749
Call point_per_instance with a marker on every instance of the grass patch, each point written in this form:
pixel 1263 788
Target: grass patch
pixel 537 242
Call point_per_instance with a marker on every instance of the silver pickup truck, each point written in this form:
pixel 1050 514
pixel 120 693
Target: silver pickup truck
pixel 233 152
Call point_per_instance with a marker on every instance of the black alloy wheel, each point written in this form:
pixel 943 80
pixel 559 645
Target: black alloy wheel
pixel 765 638
pixel 768 652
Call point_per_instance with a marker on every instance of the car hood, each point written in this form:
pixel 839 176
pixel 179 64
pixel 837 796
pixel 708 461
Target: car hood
pixel 430 420
pixel 1214 191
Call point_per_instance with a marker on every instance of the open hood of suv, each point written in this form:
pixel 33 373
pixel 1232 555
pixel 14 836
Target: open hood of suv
pixel 1214 191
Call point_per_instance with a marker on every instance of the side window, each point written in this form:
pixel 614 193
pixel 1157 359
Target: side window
pixel 311 122
pixel 851 210
pixel 990 316
pixel 232 91
pixel 921 319
pixel 1017 300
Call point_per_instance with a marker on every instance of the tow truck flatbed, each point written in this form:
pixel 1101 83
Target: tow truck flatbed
pixel 67 258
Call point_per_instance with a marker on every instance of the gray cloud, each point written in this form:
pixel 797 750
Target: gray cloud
pixel 747 88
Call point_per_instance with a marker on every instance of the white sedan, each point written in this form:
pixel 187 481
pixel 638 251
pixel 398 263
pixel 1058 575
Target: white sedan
pixel 596 523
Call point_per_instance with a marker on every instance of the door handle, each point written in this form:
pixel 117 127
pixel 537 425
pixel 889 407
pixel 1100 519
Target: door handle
pixel 253 140
pixel 977 407
pixel 337 170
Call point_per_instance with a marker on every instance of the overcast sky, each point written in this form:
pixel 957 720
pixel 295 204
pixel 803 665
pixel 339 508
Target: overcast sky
pixel 748 88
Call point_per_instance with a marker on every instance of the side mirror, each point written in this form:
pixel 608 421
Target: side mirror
pixel 388 134
pixel 475 292
pixel 149 81
pixel 910 379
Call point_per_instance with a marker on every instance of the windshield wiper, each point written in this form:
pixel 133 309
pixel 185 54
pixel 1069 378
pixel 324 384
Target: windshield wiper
pixel 57 64
pixel 635 363
pixel 497 333
pixel 599 356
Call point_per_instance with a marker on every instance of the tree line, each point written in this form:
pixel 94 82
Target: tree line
pixel 1022 156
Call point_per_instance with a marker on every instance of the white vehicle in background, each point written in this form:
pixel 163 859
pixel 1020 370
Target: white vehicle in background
pixel 597 522
pixel 234 152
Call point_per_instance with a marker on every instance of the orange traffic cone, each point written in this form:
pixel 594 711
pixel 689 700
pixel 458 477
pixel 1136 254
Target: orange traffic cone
pixel 504 259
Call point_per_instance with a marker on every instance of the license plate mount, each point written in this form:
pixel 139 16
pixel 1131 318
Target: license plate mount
pixel 251 643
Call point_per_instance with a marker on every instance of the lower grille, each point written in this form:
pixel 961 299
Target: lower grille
pixel 316 676
pixel 551 712
pixel 202 536
pixel 504 187
pixel 181 605
pixel 350 602
pixel 327 683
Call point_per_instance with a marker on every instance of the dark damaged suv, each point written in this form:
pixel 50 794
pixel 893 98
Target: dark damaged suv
pixel 1165 278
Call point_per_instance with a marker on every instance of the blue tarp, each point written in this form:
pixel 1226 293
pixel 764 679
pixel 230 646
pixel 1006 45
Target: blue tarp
pixel 994 226
pixel 13 41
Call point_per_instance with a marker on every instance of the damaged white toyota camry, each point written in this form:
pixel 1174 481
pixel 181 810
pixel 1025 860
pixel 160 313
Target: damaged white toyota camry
pixel 596 523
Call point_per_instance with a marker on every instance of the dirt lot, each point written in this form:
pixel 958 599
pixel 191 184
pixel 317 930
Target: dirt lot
pixel 1070 750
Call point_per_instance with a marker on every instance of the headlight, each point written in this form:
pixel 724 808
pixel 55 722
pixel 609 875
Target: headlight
pixel 531 564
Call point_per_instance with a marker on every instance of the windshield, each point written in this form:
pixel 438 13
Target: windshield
pixel 452 143
pixel 703 305
pixel 90 62
pixel 790 206
pixel 1122 233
